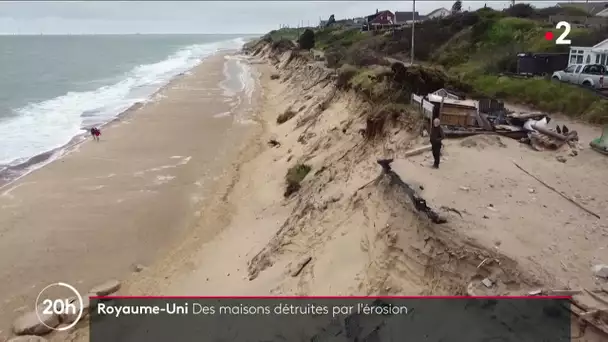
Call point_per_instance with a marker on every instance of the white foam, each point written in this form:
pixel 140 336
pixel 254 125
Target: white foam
pixel 44 126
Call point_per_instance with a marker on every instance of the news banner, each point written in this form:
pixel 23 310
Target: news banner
pixel 371 319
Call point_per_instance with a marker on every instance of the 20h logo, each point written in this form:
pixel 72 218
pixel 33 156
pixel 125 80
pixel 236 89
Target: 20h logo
pixel 60 307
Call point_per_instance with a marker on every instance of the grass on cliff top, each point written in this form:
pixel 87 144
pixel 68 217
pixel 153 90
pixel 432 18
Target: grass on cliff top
pixel 338 37
pixel 488 48
pixel 295 175
pixel 285 33
pixel 545 95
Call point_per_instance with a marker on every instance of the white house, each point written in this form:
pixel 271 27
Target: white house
pixel 438 13
pixel 597 54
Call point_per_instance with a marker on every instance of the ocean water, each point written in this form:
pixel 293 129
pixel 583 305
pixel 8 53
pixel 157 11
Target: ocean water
pixel 52 88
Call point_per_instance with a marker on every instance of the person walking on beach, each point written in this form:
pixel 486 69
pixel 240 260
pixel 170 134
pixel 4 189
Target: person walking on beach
pixel 436 136
pixel 95 132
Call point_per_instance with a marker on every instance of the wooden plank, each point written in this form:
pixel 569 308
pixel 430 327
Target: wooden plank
pixel 417 151
pixel 571 200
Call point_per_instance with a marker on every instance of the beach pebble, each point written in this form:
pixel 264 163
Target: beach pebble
pixel 106 288
pixel 601 271
pixel 33 324
pixel 28 338
pixel 138 267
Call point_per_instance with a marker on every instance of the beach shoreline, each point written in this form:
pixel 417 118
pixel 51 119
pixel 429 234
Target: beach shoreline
pixel 14 169
pixel 101 209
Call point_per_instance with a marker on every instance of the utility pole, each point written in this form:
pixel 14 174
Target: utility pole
pixel 413 24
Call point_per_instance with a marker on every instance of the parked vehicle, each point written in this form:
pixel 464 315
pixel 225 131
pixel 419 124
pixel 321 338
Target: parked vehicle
pixel 588 75
pixel 541 64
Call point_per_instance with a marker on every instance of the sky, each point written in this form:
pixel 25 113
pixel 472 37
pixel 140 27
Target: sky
pixel 116 17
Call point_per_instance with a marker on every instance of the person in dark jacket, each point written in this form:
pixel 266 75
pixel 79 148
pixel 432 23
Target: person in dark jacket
pixel 436 139
pixel 95 132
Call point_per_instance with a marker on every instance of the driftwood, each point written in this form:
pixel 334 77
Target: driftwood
pixel 572 135
pixel 527 116
pixel 416 151
pixel 419 203
pixel 273 143
pixel 541 141
pixel 301 266
pixel 597 297
pixel 571 200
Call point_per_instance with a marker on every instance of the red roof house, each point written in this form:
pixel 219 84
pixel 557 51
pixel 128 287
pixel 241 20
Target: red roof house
pixel 382 18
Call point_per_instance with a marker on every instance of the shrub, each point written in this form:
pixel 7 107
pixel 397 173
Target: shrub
pixel 283 45
pixel 521 11
pixel 307 40
pixel 295 175
pixel 345 73
pixel 286 116
pixel 334 57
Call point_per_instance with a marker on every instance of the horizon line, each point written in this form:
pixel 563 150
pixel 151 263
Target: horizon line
pixel 129 34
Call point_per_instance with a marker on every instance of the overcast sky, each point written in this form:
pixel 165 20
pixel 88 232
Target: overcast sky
pixel 89 17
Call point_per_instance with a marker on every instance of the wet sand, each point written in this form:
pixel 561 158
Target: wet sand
pixel 125 200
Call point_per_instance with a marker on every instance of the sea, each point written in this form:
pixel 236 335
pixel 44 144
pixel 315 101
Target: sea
pixel 54 88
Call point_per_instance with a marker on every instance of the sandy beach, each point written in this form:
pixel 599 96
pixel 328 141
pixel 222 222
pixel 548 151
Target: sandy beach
pixel 108 206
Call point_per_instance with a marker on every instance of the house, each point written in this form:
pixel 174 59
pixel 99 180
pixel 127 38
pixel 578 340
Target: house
pixel 438 13
pixel 597 22
pixel 597 54
pixel 402 18
pixel 380 20
pixel 592 8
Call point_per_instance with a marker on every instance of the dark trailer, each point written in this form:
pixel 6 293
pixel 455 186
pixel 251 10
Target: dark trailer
pixel 541 63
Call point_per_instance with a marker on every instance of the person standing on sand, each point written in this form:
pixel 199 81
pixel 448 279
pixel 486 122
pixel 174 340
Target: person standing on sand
pixel 95 132
pixel 436 136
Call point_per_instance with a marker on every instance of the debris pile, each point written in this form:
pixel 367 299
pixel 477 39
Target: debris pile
pixel 462 117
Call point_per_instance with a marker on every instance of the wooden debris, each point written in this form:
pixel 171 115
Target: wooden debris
pixel 417 151
pixel 586 316
pixel 559 293
pixel 301 266
pixel 419 202
pixel 273 143
pixel 452 210
pixel 563 292
pixel 386 164
pixel 571 200
pixel 550 133
pixel 597 297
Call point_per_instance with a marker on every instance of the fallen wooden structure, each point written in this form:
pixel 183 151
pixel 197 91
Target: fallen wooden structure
pixel 420 204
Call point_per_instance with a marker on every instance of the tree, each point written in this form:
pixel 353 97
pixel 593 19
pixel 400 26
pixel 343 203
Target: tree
pixel 307 40
pixel 330 21
pixel 521 11
pixel 457 6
